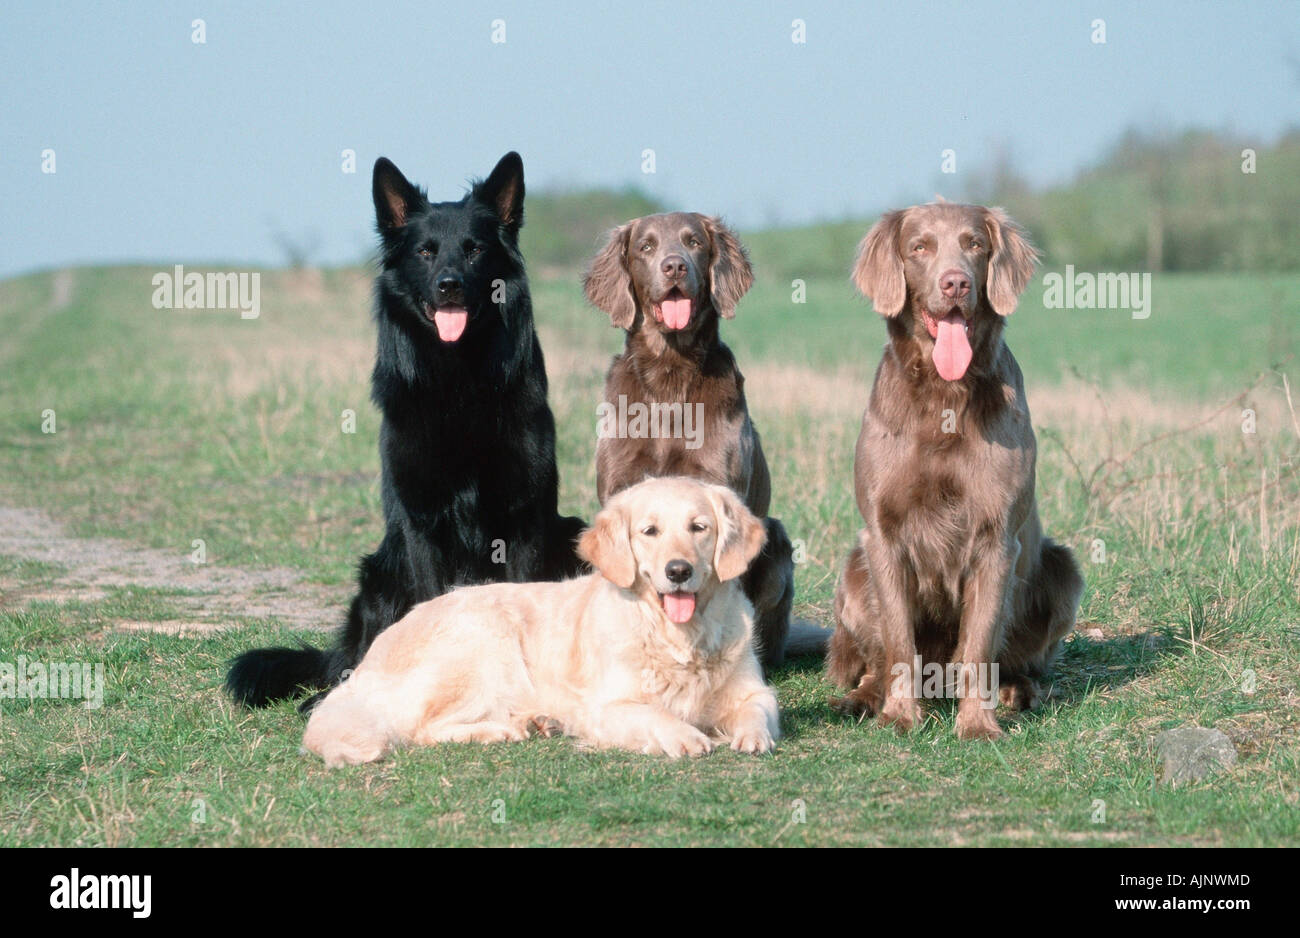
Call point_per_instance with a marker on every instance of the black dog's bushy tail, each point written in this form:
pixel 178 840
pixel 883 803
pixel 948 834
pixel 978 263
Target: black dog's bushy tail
pixel 258 677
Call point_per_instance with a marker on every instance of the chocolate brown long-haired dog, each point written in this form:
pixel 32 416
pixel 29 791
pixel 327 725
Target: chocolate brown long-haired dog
pixel 952 564
pixel 666 279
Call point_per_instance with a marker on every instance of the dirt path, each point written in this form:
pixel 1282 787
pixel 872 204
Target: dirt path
pixel 91 566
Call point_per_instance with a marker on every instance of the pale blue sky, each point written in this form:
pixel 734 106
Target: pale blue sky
pixel 169 151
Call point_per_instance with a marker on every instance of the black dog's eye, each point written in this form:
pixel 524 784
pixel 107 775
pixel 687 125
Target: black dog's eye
pixel 428 250
pixel 473 250
pixel 650 531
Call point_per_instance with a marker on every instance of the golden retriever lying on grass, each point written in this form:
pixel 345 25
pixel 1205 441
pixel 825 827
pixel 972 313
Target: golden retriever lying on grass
pixel 652 653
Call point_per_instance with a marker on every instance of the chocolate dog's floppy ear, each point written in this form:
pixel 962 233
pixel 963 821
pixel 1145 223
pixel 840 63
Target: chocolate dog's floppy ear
pixel 878 271
pixel 607 283
pixel 394 197
pixel 740 534
pixel 1011 261
pixel 607 546
pixel 504 191
pixel 730 274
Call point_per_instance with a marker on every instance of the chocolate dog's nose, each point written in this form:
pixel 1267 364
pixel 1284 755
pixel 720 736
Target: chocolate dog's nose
pixel 674 266
pixel 678 571
pixel 954 283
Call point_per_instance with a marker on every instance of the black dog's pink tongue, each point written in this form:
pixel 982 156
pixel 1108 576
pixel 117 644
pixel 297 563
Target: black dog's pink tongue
pixel 676 313
pixel 952 352
pixel 450 322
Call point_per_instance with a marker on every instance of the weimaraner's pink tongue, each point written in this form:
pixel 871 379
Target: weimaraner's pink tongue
pixel 952 353
pixel 450 322
pixel 679 606
pixel 676 313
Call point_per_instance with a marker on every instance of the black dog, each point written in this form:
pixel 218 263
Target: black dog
pixel 467 442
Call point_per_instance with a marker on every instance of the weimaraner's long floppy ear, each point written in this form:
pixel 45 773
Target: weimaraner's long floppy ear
pixel 878 271
pixel 607 546
pixel 740 535
pixel 1011 261
pixel 730 273
pixel 607 283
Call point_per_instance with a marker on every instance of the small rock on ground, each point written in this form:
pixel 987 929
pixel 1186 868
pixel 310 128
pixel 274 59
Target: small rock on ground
pixel 1191 753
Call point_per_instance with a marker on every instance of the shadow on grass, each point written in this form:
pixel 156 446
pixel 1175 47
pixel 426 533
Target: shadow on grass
pixel 1085 667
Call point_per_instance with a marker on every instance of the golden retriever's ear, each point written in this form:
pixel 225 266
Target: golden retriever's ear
pixel 607 283
pixel 607 546
pixel 740 534
pixel 1011 261
pixel 730 274
pixel 878 271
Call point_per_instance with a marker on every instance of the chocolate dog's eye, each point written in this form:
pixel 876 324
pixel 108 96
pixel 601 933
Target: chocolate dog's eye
pixel 694 242
pixel 918 248
pixel 976 244
pixel 646 247
pixel 650 531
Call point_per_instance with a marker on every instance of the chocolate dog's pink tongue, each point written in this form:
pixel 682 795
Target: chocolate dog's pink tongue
pixel 676 312
pixel 952 352
pixel 450 322
pixel 679 606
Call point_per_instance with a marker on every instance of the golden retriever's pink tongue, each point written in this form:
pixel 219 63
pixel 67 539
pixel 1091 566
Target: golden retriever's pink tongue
pixel 450 322
pixel 679 606
pixel 952 352
pixel 676 313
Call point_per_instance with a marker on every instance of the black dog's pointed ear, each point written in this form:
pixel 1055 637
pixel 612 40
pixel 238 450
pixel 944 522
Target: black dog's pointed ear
pixel 504 190
pixel 395 198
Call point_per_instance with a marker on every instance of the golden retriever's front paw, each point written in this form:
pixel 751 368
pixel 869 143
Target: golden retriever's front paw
pixel 679 740
pixel 902 713
pixel 976 722
pixel 754 740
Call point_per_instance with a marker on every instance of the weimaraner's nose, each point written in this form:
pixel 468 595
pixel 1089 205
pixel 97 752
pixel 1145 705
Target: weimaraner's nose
pixel 954 283
pixel 674 266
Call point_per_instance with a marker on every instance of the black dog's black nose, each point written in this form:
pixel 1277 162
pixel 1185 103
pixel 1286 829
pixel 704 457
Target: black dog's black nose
pixel 449 286
pixel 674 266
pixel 678 571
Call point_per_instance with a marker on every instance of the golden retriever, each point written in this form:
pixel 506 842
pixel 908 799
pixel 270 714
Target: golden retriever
pixel 652 653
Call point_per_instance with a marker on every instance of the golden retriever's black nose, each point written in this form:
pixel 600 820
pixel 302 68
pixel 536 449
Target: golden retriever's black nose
pixel 954 284
pixel 678 571
pixel 674 266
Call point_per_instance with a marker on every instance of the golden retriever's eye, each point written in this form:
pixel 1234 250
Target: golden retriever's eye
pixel 698 527
pixel 650 531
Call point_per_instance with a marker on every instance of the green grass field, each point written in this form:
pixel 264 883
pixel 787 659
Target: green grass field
pixel 176 427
